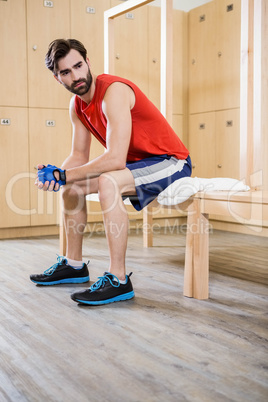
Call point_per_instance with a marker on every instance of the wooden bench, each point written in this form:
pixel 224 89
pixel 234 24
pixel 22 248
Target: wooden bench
pixel 248 208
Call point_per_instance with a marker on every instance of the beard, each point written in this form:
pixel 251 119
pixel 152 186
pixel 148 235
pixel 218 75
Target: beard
pixel 82 89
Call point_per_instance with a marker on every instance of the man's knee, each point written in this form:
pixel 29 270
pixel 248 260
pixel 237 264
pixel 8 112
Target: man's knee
pixel 71 191
pixel 73 199
pixel 108 186
pixel 116 183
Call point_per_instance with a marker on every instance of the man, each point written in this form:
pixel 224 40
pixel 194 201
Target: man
pixel 143 156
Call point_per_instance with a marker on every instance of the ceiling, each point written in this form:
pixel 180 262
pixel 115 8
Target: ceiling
pixel 184 5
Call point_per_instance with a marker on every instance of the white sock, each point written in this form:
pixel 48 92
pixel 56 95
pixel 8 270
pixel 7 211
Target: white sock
pixel 74 263
pixel 123 282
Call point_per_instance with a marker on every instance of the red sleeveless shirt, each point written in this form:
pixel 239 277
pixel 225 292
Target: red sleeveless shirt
pixel 151 134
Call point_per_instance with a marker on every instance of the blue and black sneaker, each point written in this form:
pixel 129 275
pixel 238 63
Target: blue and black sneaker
pixel 106 290
pixel 61 272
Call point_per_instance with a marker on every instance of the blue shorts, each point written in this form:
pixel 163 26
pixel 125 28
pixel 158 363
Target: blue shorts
pixel 152 175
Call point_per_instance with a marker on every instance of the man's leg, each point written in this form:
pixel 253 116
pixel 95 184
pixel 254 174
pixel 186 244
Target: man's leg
pixel 112 186
pixel 116 285
pixel 75 215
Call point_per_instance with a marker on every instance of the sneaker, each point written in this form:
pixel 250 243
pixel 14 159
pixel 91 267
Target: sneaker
pixel 106 290
pixel 61 272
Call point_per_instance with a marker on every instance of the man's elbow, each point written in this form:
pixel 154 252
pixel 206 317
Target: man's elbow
pixel 118 163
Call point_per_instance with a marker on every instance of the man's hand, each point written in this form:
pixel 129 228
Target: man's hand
pixel 50 178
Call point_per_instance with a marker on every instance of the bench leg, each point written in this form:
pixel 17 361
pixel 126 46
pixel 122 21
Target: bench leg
pixel 197 253
pixel 148 226
pixel 201 259
pixel 189 251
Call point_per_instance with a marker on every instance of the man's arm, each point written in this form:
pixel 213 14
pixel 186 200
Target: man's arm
pixel 80 143
pixel 117 104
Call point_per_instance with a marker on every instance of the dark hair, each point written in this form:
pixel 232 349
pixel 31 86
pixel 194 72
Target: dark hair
pixel 60 48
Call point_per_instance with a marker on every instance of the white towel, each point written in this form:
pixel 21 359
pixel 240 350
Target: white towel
pixel 180 190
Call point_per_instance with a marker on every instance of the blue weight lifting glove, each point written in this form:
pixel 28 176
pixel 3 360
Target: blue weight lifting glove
pixel 47 173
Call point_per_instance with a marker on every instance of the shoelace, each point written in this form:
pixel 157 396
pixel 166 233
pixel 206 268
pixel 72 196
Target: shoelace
pixel 51 270
pixel 103 279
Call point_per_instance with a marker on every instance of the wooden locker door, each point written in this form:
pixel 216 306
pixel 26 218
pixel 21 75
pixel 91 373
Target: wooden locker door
pixel 228 143
pixel 180 66
pixel 178 127
pixel 227 72
pixel 202 144
pixel 44 24
pixel 202 58
pixel 131 46
pixel 154 37
pixel 14 159
pixel 179 57
pixel 13 81
pixel 87 25
pixel 50 135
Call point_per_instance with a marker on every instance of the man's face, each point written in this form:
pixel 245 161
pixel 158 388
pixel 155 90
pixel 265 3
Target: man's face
pixel 74 73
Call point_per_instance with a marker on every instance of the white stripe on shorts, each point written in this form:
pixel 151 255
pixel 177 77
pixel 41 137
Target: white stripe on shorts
pixel 160 174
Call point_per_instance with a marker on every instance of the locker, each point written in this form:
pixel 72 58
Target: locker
pixel 214 144
pixel 179 57
pixel 87 26
pixel 202 59
pixel 202 144
pixel 228 143
pixel 131 46
pixel 227 72
pixel 15 175
pixel 44 24
pixel 50 142
pixel 13 81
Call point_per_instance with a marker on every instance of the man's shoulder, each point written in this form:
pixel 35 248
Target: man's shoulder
pixel 105 78
pixel 110 79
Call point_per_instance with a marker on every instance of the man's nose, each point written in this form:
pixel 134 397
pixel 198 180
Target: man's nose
pixel 75 75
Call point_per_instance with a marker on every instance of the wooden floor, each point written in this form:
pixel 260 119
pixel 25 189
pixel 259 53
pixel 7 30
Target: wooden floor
pixel 160 346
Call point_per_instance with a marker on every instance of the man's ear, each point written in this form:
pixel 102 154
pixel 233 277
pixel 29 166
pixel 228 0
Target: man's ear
pixel 56 78
pixel 88 62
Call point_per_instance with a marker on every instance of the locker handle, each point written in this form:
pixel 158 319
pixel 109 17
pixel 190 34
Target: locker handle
pixel 219 166
pixel 202 126
pixel 229 123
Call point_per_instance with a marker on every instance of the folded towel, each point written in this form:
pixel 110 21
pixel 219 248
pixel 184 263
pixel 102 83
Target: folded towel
pixel 180 190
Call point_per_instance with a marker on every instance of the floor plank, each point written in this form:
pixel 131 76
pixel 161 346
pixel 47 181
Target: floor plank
pixel 160 346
